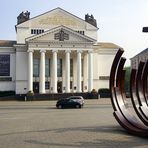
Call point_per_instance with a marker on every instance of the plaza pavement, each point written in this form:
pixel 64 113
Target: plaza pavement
pixel 38 124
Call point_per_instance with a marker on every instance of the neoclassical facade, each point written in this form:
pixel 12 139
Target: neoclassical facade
pixel 55 52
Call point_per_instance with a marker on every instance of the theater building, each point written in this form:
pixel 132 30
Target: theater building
pixel 55 52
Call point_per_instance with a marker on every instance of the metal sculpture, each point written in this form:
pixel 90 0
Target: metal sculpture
pixel 134 120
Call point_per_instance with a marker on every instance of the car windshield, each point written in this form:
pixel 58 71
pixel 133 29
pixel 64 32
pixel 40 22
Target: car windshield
pixel 75 97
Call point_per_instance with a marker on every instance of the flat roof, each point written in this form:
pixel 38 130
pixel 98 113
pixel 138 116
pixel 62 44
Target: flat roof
pixel 7 43
pixel 107 45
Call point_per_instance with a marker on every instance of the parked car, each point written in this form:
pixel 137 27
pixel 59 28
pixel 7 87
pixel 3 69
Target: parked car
pixel 71 102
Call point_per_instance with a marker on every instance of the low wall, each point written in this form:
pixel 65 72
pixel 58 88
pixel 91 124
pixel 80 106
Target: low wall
pixel 41 97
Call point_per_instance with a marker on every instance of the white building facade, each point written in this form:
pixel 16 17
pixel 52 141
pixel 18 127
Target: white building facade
pixel 55 52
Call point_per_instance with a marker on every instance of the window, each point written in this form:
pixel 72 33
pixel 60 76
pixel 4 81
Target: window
pixel 81 32
pixel 47 67
pixel 4 65
pixel 71 67
pixel 32 31
pixel 47 85
pixel 59 67
pixel 36 67
pixel 70 84
pixel 37 31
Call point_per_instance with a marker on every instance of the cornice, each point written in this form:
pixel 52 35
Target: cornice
pixel 60 45
pixel 21 47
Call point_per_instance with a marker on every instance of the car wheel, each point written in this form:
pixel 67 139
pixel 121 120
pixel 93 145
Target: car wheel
pixel 78 106
pixel 60 106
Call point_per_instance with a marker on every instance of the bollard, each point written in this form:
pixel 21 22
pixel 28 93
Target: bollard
pixel 25 98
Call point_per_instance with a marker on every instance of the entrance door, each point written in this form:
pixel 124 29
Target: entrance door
pixel 59 87
pixel 36 87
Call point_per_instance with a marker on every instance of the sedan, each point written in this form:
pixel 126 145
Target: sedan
pixel 70 102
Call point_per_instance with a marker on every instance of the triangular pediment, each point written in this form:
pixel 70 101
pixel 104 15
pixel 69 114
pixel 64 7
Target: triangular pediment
pixel 61 34
pixel 54 18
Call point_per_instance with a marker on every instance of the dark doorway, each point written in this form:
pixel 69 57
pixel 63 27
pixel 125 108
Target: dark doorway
pixel 59 87
pixel 36 87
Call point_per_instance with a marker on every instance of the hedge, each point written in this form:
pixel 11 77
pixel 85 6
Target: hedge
pixel 7 93
pixel 104 93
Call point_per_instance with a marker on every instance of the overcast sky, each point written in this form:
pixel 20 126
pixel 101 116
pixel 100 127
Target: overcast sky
pixel 119 21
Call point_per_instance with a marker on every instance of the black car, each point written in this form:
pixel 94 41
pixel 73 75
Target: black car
pixel 71 102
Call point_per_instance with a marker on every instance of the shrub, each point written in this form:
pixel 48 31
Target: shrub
pixel 93 94
pixel 30 95
pixel 93 91
pixel 7 93
pixel 104 93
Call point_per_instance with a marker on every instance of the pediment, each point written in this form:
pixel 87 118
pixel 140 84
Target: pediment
pixel 54 18
pixel 61 34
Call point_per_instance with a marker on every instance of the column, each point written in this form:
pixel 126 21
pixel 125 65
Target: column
pixel 54 71
pixel 90 71
pixel 75 74
pixel 30 70
pixel 67 69
pixel 42 72
pixel 85 76
pixel 79 71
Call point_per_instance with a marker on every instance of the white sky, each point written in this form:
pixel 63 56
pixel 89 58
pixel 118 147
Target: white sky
pixel 119 21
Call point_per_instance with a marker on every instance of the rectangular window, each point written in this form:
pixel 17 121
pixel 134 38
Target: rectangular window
pixel 36 67
pixel 47 67
pixel 71 67
pixel 40 31
pixel 37 31
pixel 70 84
pixel 59 67
pixel 47 85
pixel 32 31
pixel 4 65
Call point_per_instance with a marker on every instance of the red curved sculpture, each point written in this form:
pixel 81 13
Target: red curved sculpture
pixel 125 116
pixel 145 82
pixel 137 96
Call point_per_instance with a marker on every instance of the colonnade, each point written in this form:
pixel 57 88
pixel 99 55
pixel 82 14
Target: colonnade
pixel 54 71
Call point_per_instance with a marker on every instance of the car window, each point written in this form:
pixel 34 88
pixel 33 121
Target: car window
pixel 75 98
pixel 71 100
pixel 71 97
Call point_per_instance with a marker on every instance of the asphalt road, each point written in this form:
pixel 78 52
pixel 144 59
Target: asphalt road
pixel 39 124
